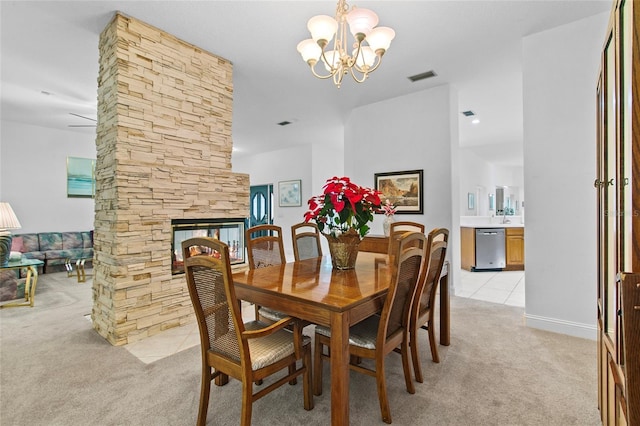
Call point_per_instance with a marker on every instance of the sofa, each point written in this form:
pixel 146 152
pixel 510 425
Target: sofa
pixel 11 287
pixel 54 248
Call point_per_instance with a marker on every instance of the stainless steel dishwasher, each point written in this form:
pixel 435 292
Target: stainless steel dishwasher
pixel 490 250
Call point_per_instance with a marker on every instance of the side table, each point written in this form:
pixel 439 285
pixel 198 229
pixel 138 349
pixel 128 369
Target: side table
pixel 82 276
pixel 30 282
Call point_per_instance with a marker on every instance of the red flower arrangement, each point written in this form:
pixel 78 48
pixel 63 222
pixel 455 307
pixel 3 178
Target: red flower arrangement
pixel 343 206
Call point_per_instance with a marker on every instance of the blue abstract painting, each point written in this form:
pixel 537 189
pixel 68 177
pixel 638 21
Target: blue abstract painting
pixel 81 180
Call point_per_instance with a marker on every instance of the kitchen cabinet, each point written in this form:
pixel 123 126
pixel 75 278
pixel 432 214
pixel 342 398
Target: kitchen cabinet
pixel 468 248
pixel 617 187
pixel 514 247
pixel 514 241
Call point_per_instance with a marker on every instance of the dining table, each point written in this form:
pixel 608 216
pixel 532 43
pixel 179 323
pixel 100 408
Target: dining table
pixel 314 291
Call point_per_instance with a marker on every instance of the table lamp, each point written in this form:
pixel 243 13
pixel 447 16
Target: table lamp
pixel 8 220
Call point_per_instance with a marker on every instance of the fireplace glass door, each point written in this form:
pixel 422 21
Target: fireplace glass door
pixel 230 231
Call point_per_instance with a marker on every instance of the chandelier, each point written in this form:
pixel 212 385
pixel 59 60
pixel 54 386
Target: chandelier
pixel 370 43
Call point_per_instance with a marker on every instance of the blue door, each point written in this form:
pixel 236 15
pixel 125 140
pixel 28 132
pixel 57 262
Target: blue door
pixel 261 205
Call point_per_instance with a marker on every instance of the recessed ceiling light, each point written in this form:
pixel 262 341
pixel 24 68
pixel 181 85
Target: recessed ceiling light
pixel 468 113
pixel 475 121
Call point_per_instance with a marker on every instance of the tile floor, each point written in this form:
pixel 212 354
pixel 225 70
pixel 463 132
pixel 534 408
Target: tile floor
pixel 497 287
pixel 505 287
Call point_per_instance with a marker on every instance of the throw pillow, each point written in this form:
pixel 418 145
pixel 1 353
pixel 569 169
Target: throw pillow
pixel 15 255
pixel 17 244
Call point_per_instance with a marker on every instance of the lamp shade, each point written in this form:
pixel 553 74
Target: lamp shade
pixel 380 38
pixel 8 219
pixel 309 50
pixel 366 57
pixel 332 59
pixel 322 27
pixel 361 21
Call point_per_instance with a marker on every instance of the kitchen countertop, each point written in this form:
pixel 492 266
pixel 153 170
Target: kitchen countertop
pixel 493 225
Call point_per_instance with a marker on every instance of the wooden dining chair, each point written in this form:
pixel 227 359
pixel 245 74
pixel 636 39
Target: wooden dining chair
pixel 423 309
pixel 247 352
pixel 379 335
pixel 265 248
pixel 406 226
pixel 306 241
pixel 396 229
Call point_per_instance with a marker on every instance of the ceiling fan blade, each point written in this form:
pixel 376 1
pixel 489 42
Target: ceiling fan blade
pixel 82 116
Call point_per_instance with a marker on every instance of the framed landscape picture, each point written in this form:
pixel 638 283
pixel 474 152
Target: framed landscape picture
pixel 289 193
pixel 403 189
pixel 81 180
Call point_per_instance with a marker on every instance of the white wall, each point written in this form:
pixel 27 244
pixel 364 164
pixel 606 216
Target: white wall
pixel 476 177
pixel 405 133
pixel 481 177
pixel 416 131
pixel 33 177
pixel 559 77
pixel 312 164
pixel 277 166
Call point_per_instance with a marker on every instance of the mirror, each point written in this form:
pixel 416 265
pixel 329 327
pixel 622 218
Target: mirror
pixel 507 200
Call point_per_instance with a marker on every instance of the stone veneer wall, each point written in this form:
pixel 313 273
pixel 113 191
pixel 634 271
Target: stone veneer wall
pixel 163 152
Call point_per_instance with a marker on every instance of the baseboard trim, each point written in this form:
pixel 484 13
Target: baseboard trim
pixel 555 325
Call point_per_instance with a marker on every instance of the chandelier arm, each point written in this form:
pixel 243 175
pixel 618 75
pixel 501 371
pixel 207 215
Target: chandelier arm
pixel 333 68
pixel 371 69
pixel 337 78
pixel 353 61
pixel 377 64
pixel 355 77
pixel 323 77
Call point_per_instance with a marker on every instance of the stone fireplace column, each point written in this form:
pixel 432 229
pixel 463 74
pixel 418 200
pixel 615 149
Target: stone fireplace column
pixel 163 152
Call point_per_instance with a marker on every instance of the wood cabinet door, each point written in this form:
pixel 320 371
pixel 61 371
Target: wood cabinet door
pixel 515 247
pixel 468 248
pixel 618 186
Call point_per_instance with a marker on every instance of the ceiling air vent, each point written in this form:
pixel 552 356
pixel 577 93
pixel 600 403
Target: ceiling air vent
pixel 284 123
pixel 422 76
pixel 468 113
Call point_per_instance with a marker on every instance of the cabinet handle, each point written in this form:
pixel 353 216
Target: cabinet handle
pixel 626 181
pixel 597 183
pixel 610 183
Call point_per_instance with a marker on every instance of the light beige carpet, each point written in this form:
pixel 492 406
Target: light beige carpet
pixel 55 370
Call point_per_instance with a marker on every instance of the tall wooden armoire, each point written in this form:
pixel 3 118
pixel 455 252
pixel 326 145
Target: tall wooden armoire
pixel 618 199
